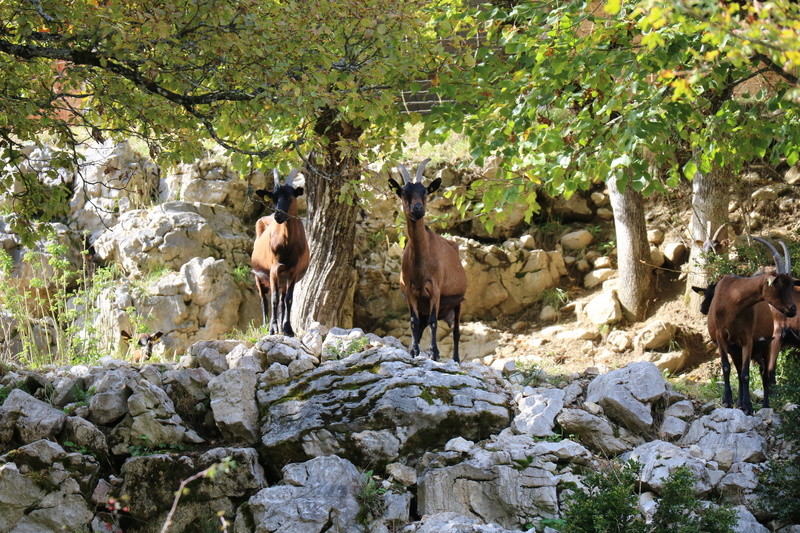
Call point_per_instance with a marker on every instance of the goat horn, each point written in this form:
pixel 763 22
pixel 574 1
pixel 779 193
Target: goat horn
pixel 404 171
pixel 716 233
pixel 420 168
pixel 708 229
pixel 291 176
pixel 775 255
pixel 276 178
pixel 788 261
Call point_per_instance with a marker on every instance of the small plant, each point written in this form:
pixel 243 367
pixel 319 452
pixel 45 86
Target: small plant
pixel 555 297
pixel 342 351
pixel 242 274
pixel 370 499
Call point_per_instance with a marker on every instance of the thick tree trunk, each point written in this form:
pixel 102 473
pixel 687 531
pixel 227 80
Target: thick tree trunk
pixel 710 198
pixel 633 251
pixel 325 294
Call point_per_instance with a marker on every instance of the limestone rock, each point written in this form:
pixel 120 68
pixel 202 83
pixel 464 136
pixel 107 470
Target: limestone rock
pixel 233 402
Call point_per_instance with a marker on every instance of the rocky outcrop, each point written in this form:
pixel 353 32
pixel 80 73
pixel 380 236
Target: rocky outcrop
pixel 273 436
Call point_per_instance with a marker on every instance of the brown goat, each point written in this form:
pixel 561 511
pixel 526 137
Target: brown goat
pixel 432 278
pixel 145 344
pixel 732 322
pixel 280 254
pixel 784 328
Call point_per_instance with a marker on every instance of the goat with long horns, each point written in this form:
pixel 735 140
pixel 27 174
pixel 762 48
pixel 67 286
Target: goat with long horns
pixel 280 253
pixel 431 278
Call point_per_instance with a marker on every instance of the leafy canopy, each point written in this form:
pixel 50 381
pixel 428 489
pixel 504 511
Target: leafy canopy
pixel 570 93
pixel 261 78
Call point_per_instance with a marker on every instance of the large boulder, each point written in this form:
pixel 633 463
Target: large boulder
pixel 377 406
pixel 628 394
pixel 511 480
pixel 316 496
pixel 26 419
pixel 171 234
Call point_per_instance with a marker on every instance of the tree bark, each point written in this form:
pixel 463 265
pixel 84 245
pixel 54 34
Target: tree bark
pixel 325 294
pixel 633 251
pixel 710 198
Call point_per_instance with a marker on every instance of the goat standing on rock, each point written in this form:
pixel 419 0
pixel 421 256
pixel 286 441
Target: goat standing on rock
pixel 732 321
pixel 431 278
pixel 280 253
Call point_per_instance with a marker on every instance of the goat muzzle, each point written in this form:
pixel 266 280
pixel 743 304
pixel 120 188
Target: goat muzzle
pixel 281 216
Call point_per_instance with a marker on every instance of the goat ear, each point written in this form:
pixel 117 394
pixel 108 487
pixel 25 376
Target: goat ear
pixel 434 186
pixel 699 290
pixel 396 187
pixel 298 191
pixel 125 335
pixel 157 336
pixel 770 280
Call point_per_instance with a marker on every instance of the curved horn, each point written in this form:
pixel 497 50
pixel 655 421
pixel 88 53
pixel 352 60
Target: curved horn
pixel 404 172
pixel 716 233
pixel 276 178
pixel 291 176
pixel 420 168
pixel 775 255
pixel 788 262
pixel 708 229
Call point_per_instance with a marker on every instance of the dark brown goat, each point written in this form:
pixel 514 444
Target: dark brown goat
pixel 432 278
pixel 145 344
pixel 732 322
pixel 773 329
pixel 280 254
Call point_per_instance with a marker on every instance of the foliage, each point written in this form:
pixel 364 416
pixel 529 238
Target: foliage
pixel 341 349
pixel 555 297
pixel 182 73
pixel 637 91
pixel 680 511
pixel 780 483
pixel 609 504
pixel 54 319
pixel 745 260
pixel 370 499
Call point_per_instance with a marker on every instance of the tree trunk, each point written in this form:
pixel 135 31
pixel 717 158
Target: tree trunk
pixel 325 294
pixel 633 251
pixel 710 198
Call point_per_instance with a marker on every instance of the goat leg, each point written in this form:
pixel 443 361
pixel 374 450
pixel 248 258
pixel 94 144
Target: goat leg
pixel 287 311
pixel 743 369
pixel 433 323
pixel 456 332
pixel 261 294
pixel 416 333
pixel 727 393
pixel 276 297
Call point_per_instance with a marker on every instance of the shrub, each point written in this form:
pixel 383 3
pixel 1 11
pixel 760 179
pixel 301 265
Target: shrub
pixel 780 482
pixel 609 505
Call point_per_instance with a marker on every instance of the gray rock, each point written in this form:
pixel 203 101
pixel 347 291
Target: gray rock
pixel 106 408
pixel 660 459
pixel 378 406
pixel 593 431
pixel 627 394
pixel 746 522
pixel 233 402
pixel 455 523
pixel 728 436
pixel 537 412
pixel 30 419
pixel 84 435
pixel 316 496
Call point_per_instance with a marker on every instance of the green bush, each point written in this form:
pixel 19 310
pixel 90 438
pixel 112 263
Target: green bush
pixel 609 505
pixel 780 482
